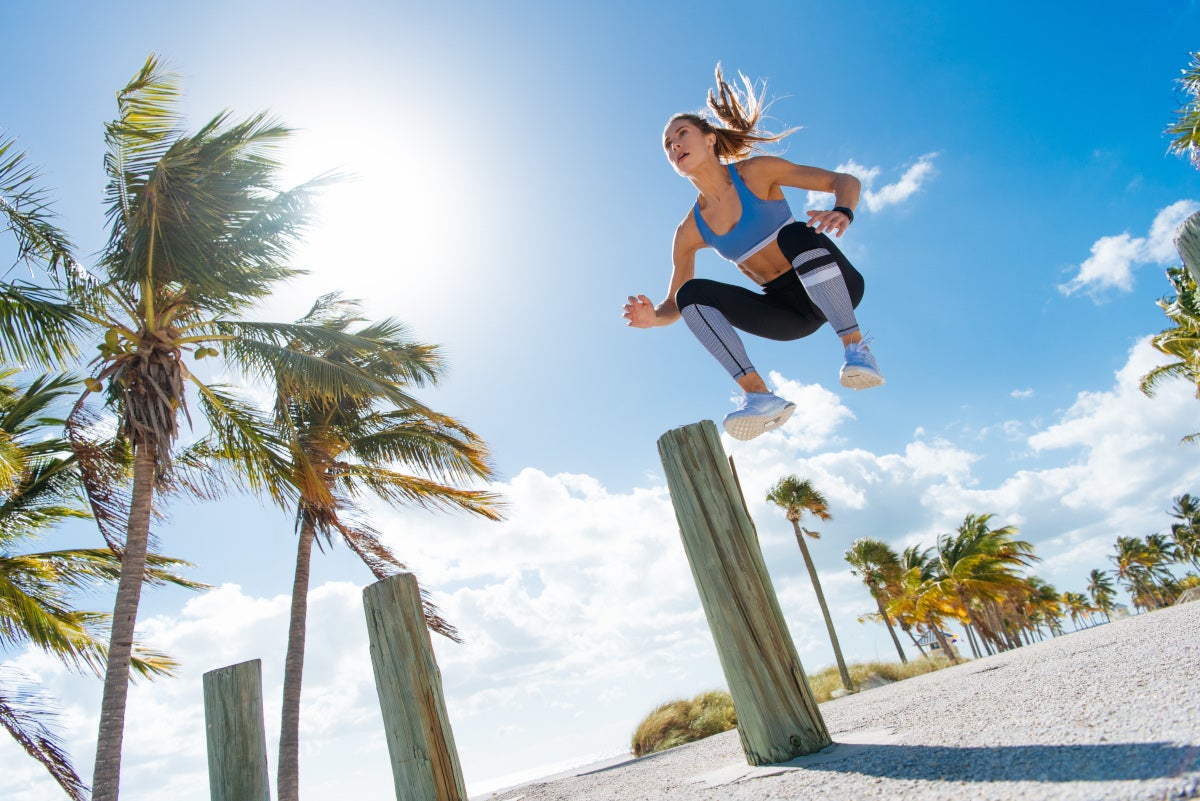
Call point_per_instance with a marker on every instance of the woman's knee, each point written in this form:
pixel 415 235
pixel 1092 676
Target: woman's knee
pixel 696 291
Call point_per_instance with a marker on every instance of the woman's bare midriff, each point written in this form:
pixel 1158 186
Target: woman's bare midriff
pixel 766 265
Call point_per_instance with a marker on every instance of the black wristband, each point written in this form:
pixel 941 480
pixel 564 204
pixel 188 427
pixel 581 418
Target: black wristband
pixel 845 211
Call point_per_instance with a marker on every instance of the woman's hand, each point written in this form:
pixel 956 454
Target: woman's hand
pixel 639 311
pixel 825 221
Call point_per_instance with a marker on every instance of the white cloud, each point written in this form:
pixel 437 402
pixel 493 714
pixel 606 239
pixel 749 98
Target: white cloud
pixel 580 613
pixel 1022 394
pixel 907 185
pixel 1115 258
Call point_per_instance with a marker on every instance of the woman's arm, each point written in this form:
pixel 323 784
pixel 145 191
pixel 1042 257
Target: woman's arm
pixel 640 311
pixel 774 172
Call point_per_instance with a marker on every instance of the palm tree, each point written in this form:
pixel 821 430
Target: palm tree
pixel 916 567
pixel 1100 588
pixel 1045 605
pixel 1186 128
pixel 363 443
pixel 796 497
pixel 36 606
pixel 1186 533
pixel 879 567
pixel 1077 606
pixel 1182 341
pixel 977 565
pixel 922 601
pixel 198 233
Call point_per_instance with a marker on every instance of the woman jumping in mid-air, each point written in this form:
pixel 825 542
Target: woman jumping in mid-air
pixel 805 279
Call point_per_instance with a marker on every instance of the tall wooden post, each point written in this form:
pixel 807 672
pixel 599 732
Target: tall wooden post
pixel 1187 242
pixel 778 718
pixel 424 760
pixel 237 741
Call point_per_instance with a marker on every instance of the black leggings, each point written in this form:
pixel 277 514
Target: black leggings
pixel 783 311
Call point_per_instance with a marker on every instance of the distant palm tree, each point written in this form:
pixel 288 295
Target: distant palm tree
pixel 1186 533
pixel 1077 606
pixel 1046 607
pixel 879 567
pixel 1100 588
pixel 37 588
pixel 364 442
pixel 977 565
pixel 796 498
pixel 1142 565
pixel 923 601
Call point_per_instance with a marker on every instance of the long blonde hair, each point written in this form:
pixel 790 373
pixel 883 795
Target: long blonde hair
pixel 739 112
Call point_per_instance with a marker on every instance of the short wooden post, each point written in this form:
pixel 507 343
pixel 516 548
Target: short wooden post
pixel 778 718
pixel 237 741
pixel 1187 242
pixel 425 763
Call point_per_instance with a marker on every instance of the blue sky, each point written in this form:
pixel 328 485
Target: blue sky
pixel 511 192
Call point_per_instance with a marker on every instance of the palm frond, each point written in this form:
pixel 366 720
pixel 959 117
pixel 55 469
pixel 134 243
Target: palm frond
pixel 242 437
pixel 408 490
pixel 364 541
pixel 27 211
pixel 27 715
pixel 37 325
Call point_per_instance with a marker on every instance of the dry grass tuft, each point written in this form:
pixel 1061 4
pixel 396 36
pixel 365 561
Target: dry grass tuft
pixel 678 722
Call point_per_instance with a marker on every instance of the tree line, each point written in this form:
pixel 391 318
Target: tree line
pixel 199 234
pixel 977 577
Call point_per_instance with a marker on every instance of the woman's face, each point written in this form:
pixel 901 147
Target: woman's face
pixel 686 145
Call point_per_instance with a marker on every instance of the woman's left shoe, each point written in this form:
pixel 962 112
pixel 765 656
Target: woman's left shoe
pixel 860 371
pixel 760 412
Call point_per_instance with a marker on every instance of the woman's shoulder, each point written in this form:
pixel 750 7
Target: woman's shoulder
pixel 763 165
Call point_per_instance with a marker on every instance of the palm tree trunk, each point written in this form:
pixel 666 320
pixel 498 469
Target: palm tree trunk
pixel 288 780
pixel 971 640
pixel 812 573
pixel 891 629
pixel 916 642
pixel 947 648
pixel 106 778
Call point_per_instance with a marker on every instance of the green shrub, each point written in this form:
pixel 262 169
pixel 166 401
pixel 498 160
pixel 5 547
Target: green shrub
pixel 678 722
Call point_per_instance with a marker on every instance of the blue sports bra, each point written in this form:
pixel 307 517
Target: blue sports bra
pixel 760 222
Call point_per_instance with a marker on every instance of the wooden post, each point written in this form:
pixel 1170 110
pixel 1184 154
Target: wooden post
pixel 424 760
pixel 778 718
pixel 237 741
pixel 1187 242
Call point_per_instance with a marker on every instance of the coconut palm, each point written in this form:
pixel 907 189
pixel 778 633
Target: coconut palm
pixel 198 233
pixel 37 588
pixel 978 565
pixel 796 498
pixel 923 602
pixel 1186 129
pixel 879 567
pixel 1180 342
pixel 36 324
pixel 1141 565
pixel 1077 606
pixel 364 443
pixel 1103 593
pixel 1186 533
pixel 1045 606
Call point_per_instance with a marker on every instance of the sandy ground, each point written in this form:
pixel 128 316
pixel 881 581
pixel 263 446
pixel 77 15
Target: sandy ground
pixel 1112 712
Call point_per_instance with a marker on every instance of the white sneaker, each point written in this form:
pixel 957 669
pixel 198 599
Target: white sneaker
pixel 860 371
pixel 760 412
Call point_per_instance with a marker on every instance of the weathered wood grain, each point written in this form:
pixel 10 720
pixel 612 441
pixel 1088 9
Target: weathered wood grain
pixel 237 741
pixel 425 763
pixel 778 718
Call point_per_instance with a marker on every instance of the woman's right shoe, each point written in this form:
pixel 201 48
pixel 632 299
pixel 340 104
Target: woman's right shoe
pixel 760 412
pixel 860 371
